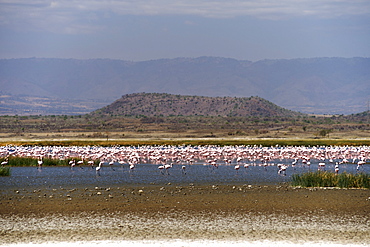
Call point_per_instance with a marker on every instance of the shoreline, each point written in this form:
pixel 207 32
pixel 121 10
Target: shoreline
pixel 188 212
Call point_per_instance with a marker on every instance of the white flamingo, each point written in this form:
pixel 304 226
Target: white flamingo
pixel 80 162
pixel 72 163
pixel 183 168
pixel 336 169
pixel 167 166
pixel 282 169
pixel 91 163
pixel 161 167
pixel 132 166
pixel 98 168
pixel 294 163
pixel 359 164
pixel 40 162
pixel 321 165
pixel 5 162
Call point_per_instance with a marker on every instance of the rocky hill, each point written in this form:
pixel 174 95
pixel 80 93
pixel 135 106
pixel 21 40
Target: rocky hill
pixel 163 104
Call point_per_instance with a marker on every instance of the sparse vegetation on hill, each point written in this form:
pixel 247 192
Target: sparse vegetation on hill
pixel 164 105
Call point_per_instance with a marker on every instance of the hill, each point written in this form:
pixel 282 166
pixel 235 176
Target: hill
pixel 316 85
pixel 162 104
pixel 161 115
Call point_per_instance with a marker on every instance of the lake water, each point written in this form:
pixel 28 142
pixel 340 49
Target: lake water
pixel 145 174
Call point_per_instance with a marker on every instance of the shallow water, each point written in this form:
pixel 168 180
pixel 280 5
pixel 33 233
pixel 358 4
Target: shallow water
pixel 144 174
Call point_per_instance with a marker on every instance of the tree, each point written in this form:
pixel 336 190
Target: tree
pixel 325 132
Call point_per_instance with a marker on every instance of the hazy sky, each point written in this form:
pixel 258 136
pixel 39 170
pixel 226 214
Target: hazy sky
pixel 152 29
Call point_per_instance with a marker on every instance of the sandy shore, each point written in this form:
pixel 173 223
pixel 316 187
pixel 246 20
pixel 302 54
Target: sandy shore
pixel 191 212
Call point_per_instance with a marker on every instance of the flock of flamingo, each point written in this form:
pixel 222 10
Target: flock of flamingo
pixel 165 156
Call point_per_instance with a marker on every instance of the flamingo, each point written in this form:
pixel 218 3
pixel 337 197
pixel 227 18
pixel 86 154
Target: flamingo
pixel 72 163
pixel 98 168
pixel 359 164
pixel 265 165
pixel 294 163
pixel 210 154
pixel 91 163
pixel 161 167
pixel 167 166
pixel 5 162
pixel 336 168
pixel 214 164
pixel 121 162
pixel 183 168
pixel 80 162
pixel 40 162
pixel 321 165
pixel 132 166
pixel 282 169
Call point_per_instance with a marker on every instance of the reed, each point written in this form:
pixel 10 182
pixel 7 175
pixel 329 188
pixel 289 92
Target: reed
pixel 328 179
pixel 4 171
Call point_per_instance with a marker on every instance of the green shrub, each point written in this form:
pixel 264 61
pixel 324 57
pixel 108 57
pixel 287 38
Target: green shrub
pixel 4 171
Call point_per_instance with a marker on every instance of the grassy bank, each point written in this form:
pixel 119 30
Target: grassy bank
pixel 328 179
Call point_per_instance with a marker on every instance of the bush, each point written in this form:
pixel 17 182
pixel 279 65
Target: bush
pixel 4 171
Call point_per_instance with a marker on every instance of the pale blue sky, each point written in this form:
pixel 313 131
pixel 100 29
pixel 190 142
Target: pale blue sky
pixel 152 29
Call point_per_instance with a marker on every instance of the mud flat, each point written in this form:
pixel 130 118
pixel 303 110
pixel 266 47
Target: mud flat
pixel 188 212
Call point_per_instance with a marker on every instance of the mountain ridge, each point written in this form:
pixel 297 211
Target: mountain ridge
pixel 309 85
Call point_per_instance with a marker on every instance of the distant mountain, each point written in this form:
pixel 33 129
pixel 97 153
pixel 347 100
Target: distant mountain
pixel 162 104
pixel 317 85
